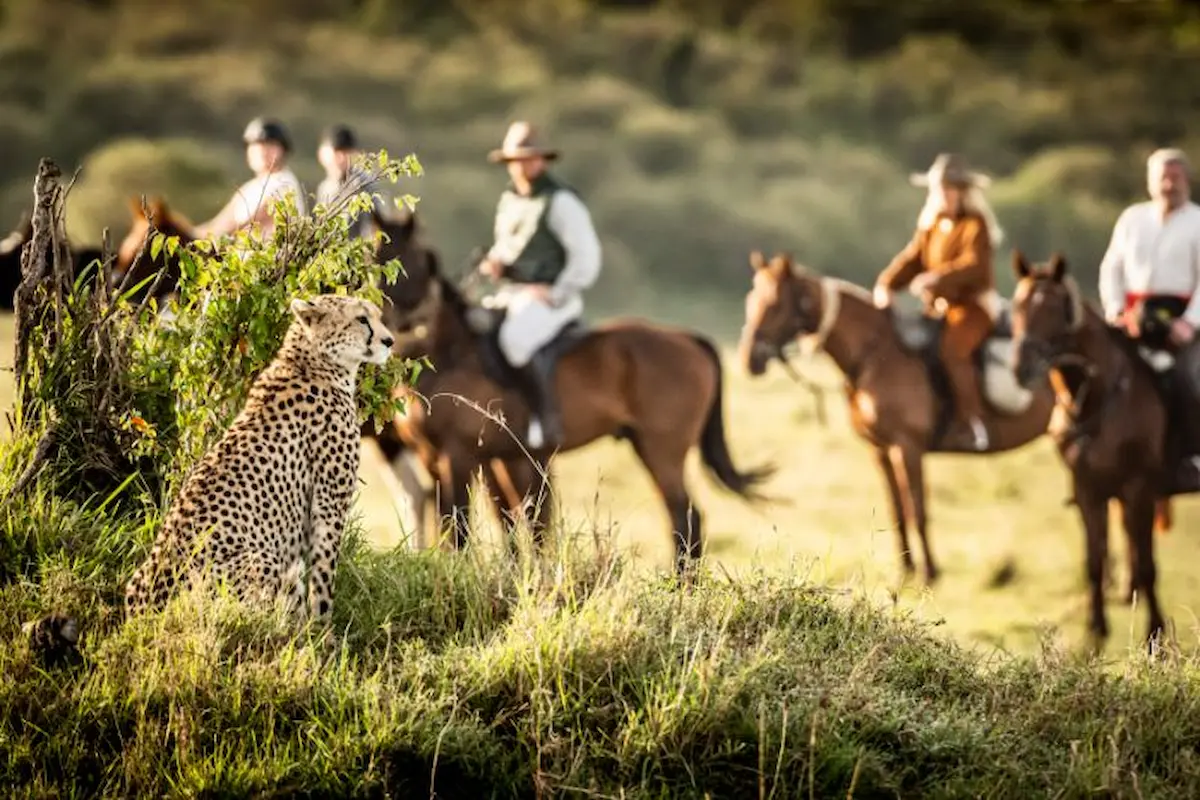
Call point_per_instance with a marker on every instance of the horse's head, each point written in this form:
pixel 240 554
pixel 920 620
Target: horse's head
pixel 163 220
pixel 782 303
pixel 419 264
pixel 1047 311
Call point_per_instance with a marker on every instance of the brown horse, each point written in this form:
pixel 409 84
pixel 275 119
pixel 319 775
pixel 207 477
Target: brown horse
pixel 660 389
pixel 163 220
pixel 1110 422
pixel 899 399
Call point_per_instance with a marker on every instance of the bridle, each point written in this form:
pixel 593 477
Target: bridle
pixel 1055 352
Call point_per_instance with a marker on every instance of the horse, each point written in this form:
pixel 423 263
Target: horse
pixel 160 219
pixel 412 469
pixel 896 389
pixel 659 388
pixel 1110 423
pixel 10 260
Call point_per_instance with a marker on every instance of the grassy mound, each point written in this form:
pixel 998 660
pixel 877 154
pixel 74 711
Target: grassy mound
pixel 464 676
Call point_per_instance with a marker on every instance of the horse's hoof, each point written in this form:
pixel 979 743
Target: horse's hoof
pixel 931 576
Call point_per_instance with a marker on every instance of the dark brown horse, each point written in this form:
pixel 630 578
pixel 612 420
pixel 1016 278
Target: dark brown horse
pixel 1110 422
pixel 899 400
pixel 658 388
pixel 10 260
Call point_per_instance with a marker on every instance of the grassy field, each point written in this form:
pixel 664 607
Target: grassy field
pixel 461 677
pixel 988 514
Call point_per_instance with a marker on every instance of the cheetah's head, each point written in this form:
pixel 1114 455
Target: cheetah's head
pixel 349 330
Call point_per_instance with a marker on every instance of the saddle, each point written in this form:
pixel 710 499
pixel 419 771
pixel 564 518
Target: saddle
pixel 485 321
pixel 921 334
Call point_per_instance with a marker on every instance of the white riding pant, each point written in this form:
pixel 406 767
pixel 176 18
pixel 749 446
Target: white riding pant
pixel 530 323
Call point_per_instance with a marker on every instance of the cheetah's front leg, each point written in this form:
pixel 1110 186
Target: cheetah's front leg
pixel 330 508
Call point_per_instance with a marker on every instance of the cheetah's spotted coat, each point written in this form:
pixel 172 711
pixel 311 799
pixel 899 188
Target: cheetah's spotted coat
pixel 275 491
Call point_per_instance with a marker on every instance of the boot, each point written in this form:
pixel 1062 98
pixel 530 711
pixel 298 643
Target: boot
pixel 963 383
pixel 545 426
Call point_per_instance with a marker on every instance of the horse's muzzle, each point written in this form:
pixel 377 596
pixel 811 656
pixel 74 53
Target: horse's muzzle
pixel 1031 362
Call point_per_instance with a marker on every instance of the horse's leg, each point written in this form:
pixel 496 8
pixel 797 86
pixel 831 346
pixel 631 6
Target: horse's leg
pixel 910 474
pixel 1093 509
pixel 454 504
pixel 664 462
pixel 1138 505
pixel 884 459
pixel 533 478
pixel 506 499
pixel 1131 561
pixel 404 483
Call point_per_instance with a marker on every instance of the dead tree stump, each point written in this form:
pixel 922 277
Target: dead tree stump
pixel 71 359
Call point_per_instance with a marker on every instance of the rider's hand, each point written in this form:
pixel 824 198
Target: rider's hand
pixel 491 268
pixel 540 292
pixel 1128 322
pixel 882 296
pixel 920 284
pixel 1182 331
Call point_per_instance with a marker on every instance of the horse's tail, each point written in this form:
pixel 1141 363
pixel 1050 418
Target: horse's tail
pixel 714 450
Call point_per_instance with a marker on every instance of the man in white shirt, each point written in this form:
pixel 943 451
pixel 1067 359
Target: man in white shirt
pixel 546 246
pixel 253 204
pixel 1150 282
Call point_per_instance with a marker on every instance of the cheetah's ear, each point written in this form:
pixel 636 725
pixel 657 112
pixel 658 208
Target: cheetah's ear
pixel 306 312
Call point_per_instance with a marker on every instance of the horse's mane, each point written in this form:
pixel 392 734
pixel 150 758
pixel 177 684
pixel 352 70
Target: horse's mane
pixel 848 287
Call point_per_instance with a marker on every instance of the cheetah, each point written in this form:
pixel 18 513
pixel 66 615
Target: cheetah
pixel 276 489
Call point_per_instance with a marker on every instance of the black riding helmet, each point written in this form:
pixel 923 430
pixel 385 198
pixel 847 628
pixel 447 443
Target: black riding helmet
pixel 264 129
pixel 340 137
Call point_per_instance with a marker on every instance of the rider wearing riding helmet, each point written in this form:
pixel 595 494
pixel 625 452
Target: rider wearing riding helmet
pixel 253 204
pixel 343 179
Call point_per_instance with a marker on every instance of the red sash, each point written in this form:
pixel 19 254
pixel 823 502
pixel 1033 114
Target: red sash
pixel 1133 298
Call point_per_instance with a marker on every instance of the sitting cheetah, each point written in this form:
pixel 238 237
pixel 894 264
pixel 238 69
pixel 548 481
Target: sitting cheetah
pixel 277 487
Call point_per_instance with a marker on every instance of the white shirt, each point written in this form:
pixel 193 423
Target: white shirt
pixel 1151 255
pixel 265 190
pixel 569 220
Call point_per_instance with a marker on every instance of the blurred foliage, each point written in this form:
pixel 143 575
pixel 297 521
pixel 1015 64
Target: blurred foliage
pixel 694 130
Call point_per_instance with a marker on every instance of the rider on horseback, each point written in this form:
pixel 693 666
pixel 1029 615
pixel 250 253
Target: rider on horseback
pixel 1149 279
pixel 343 179
pixel 253 204
pixel 948 263
pixel 546 246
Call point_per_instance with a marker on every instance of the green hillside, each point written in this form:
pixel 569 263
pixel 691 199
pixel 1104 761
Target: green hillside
pixel 695 133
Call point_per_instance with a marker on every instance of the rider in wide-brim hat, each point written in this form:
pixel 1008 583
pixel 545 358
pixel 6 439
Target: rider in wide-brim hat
pixel 951 169
pixel 521 142
pixel 948 262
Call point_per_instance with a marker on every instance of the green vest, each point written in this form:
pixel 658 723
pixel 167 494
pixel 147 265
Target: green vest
pixel 530 249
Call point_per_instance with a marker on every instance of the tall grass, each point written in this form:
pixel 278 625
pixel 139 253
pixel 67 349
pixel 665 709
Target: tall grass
pixel 469 675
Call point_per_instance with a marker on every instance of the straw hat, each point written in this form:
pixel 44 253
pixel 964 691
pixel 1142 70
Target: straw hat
pixel 949 168
pixel 521 142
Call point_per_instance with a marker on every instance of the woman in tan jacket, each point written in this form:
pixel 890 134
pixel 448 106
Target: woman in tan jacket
pixel 949 264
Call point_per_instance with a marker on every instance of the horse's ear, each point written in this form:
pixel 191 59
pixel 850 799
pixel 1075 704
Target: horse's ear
pixel 135 207
pixel 158 209
pixel 1058 266
pixel 757 260
pixel 1019 264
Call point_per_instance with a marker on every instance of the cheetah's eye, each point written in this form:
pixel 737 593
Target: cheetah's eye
pixel 363 319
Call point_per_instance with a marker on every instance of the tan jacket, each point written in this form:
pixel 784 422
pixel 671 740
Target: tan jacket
pixel 958 251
